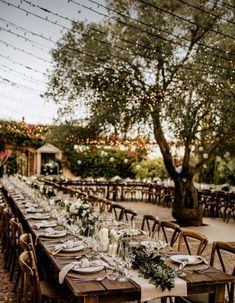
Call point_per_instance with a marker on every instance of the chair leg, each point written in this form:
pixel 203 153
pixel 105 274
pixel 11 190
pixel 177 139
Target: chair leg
pixel 17 281
pixel 13 267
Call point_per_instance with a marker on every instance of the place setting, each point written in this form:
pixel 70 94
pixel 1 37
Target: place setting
pixel 50 233
pixel 38 216
pixel 187 263
pixel 44 224
pixel 85 269
pixel 69 246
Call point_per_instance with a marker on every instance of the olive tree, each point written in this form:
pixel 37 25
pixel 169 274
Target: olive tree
pixel 166 66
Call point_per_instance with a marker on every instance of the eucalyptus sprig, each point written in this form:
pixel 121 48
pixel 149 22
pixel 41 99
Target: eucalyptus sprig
pixel 153 268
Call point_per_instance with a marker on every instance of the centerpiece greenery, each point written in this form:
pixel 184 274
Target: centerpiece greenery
pixel 47 190
pixel 153 268
pixel 83 213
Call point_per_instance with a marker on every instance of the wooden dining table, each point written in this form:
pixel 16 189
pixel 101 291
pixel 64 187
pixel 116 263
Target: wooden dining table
pixel 211 281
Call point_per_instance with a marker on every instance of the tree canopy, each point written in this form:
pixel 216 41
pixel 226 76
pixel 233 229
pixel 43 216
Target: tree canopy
pixel 168 65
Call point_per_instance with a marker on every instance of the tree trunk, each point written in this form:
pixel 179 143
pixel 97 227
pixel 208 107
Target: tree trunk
pixel 185 209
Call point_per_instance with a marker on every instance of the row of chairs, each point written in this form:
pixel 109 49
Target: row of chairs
pixel 21 262
pixel 171 232
pixel 218 204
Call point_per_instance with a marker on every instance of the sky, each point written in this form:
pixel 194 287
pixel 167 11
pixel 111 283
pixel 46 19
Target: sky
pixel 25 57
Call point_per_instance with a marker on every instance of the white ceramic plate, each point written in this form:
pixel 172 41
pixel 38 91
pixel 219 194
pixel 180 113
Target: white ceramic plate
pixel 91 269
pixel 55 234
pixel 49 224
pixel 76 248
pixel 36 210
pixel 192 260
pixel 39 217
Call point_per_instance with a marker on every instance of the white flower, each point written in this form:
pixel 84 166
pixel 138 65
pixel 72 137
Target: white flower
pixel 76 147
pixel 205 156
pixel 72 209
pixel 126 161
pixel 111 159
pixel 103 153
pixel 79 162
pixel 201 148
pixel 137 167
pixel 77 204
pixel 66 202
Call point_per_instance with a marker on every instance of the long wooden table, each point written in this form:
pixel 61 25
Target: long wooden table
pixel 211 281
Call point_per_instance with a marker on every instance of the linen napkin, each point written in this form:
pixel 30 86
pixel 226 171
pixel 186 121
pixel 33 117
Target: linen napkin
pixel 83 263
pixel 43 223
pixel 67 244
pixel 65 270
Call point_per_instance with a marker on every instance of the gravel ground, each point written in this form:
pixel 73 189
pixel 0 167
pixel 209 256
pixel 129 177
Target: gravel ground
pixel 215 229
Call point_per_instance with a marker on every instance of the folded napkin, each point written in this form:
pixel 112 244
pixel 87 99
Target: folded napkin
pixel 129 232
pixel 65 270
pixel 84 263
pixel 43 223
pixel 49 232
pixel 66 245
pixel 203 260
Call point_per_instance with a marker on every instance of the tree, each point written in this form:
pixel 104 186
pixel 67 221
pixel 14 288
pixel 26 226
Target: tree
pixel 165 64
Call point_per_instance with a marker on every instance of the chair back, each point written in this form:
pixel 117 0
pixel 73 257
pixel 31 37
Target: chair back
pixel 188 235
pixel 129 215
pixel 218 252
pixel 16 231
pixel 117 211
pixel 31 279
pixel 26 244
pixel 150 224
pixel 105 205
pixel 6 216
pixel 170 232
pixel 2 206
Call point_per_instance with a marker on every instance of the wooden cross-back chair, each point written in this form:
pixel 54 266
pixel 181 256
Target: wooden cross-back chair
pixel 186 236
pixel 26 244
pixel 150 224
pixel 170 232
pixel 6 240
pixel 118 211
pixel 129 215
pixel 218 250
pixel 2 206
pixel 16 232
pixel 105 205
pixel 40 291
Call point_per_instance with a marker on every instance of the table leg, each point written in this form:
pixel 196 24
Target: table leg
pixel 90 299
pixel 219 295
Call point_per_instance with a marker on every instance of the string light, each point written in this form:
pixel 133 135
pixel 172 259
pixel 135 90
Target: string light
pixel 22 75
pixel 92 56
pixel 24 38
pixel 19 85
pixel 206 12
pixel 185 19
pixel 151 26
pixel 23 65
pixel 100 31
pixel 24 51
